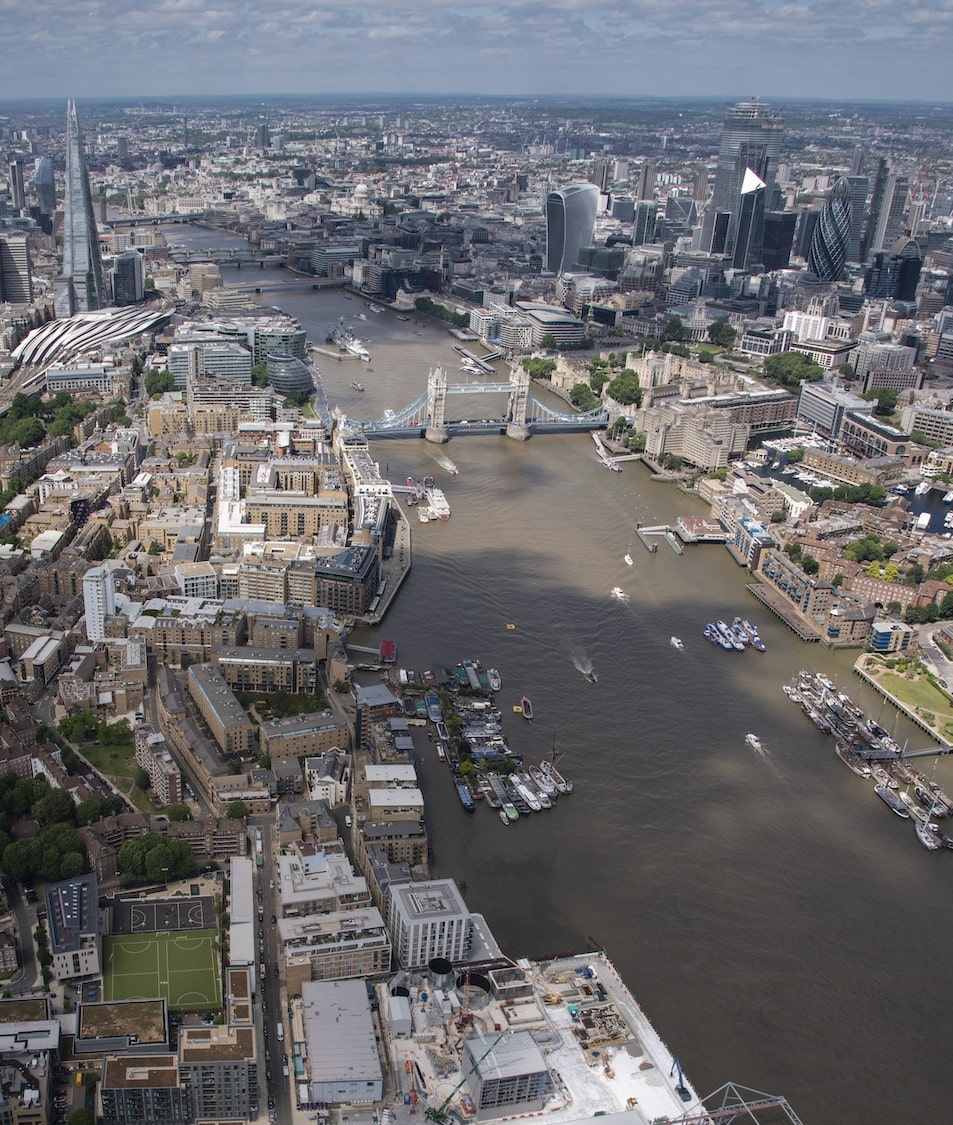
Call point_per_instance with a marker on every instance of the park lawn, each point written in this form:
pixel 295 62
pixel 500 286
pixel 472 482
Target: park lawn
pixel 921 694
pixel 118 764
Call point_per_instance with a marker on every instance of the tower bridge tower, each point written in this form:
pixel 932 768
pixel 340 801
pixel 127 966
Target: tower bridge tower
pixel 437 406
pixel 516 426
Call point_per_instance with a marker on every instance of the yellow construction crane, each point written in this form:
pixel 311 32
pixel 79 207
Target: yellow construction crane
pixel 551 994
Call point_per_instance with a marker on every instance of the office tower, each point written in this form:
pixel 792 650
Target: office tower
pixel 778 239
pixel 16 269
pixel 829 245
pixel 17 193
pixel 643 227
pixel 750 141
pixel 749 228
pixel 122 149
pixel 99 601
pixel 873 215
pixel 263 137
pixel 646 187
pixel 804 234
pixel 570 221
pixel 857 161
pixel 858 201
pixel 82 264
pixel 44 185
pixel 701 185
pixel 894 274
pixel 128 278
pixel 623 208
pixel 890 216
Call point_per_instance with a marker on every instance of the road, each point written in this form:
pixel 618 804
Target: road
pixel 26 979
pixel 270 989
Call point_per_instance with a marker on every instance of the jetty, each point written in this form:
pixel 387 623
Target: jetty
pixel 648 535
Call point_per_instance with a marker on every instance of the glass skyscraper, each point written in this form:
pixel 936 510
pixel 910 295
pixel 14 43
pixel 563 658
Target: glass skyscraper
pixel 750 142
pixel 828 251
pixel 570 221
pixel 82 262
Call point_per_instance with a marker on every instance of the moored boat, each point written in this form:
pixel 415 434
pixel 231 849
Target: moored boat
pixel 504 818
pixel 543 783
pixel 892 801
pixel 857 765
pixel 929 835
pixel 494 679
pixel 563 787
pixel 466 797
pixel 526 708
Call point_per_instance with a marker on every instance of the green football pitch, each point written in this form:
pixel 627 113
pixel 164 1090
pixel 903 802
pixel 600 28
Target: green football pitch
pixel 182 967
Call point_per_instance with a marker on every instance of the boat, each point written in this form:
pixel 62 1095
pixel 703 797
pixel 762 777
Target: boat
pixel 545 784
pixel 948 498
pixel 494 679
pixel 439 508
pixel 563 787
pixel 883 777
pixel 434 713
pixel 423 514
pixel 526 708
pixel 923 488
pixel 753 638
pixel 466 797
pixel 341 336
pixel 928 834
pixel 892 801
pixel 488 793
pixel 590 675
pixel 916 810
pixel 355 386
pixel 531 799
pixel 850 760
pixel 441 753
pixel 627 559
pixel 753 741
pixel 504 817
pixel 676 642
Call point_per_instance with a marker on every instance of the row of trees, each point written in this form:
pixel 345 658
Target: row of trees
pixel 29 419
pixel 87 727
pixel 152 857
pixel 426 305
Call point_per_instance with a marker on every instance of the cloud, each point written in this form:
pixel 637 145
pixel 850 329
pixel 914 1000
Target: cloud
pixel 633 46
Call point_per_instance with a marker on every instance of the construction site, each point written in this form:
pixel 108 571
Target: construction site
pixel 564 1039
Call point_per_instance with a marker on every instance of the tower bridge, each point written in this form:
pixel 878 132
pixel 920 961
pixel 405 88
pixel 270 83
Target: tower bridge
pixel 523 415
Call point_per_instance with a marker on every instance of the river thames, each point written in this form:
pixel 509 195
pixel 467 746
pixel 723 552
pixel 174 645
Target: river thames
pixel 779 926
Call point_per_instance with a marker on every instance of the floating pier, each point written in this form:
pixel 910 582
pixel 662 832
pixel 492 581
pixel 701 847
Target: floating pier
pixel 661 531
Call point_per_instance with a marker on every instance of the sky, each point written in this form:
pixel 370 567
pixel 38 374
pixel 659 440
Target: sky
pixel 848 49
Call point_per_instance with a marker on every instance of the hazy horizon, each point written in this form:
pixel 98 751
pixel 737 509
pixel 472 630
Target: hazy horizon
pixel 857 50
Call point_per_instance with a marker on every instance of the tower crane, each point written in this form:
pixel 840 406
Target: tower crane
pixel 552 996
pixel 439 1115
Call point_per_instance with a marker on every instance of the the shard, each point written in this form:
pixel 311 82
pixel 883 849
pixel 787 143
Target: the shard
pixel 82 262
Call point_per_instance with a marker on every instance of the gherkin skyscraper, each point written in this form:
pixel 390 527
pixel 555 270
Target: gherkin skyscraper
pixel 82 262
pixel 832 234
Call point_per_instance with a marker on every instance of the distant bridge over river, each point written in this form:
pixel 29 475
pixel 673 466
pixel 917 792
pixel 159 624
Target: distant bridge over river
pixel 426 417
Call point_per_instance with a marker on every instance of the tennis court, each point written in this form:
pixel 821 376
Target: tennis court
pixel 156 916
pixel 182 967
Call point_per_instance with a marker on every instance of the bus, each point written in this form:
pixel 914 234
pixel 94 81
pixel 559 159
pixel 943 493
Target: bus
pixel 259 859
pixel 280 1032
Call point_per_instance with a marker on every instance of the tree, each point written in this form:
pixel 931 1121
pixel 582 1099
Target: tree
pixel 178 813
pixel 538 367
pixel 159 382
pixel 140 777
pixel 886 399
pixel 81 1116
pixel 721 333
pixel 55 808
pixel 625 388
pixel 674 329
pixel 790 369
pixel 237 810
pixel 548 341
pixel 809 564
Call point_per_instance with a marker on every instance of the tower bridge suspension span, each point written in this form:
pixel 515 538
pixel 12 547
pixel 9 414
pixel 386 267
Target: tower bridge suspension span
pixel 524 415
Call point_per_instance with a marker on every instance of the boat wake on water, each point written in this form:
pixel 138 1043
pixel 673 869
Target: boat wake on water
pixel 584 664
pixel 619 594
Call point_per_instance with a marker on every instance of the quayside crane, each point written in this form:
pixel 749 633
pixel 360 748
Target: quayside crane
pixel 439 1115
pixel 738 1103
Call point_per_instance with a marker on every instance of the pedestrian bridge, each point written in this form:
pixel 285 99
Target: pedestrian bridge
pixel 522 416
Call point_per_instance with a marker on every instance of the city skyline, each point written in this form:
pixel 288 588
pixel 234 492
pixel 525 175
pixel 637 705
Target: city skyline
pixel 778 50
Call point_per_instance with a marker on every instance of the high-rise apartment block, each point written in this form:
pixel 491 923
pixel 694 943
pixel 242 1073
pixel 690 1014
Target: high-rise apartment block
pixel 16 269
